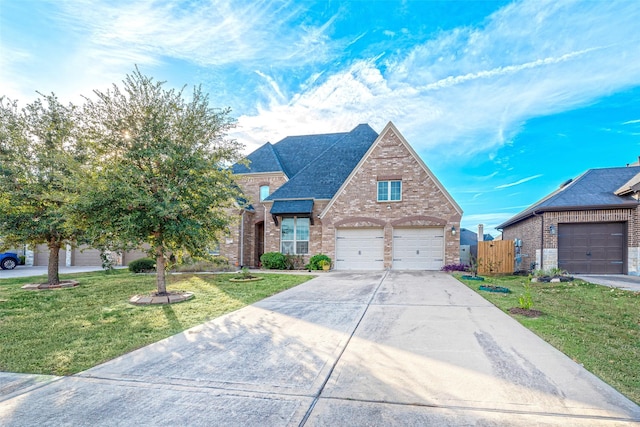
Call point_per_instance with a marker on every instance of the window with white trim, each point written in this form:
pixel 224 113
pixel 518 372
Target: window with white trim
pixel 389 191
pixel 294 236
pixel 264 192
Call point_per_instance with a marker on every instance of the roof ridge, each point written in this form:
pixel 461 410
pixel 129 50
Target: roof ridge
pixel 308 165
pixel 277 156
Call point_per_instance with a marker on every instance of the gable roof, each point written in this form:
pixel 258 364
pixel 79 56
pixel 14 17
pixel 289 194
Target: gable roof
pixel 316 165
pixel 594 189
pixel 390 127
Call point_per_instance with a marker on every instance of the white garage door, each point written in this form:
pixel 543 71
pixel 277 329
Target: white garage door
pixel 359 249
pixel 418 248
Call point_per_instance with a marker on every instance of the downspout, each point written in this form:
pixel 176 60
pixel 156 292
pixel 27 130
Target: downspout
pixel 242 239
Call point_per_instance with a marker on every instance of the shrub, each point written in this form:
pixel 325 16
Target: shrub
pixel 142 265
pixel 525 300
pixel 314 262
pixel 455 267
pixel 21 259
pixel 273 261
pixel 294 262
pixel 216 263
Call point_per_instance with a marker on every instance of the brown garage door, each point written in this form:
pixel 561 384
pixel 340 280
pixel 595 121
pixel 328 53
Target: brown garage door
pixel 592 248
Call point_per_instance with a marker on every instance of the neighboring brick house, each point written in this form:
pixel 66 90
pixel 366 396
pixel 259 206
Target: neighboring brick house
pixel 590 225
pixel 365 200
pixel 77 256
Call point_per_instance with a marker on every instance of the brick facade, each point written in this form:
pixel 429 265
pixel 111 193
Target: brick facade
pixel 537 238
pixel 424 203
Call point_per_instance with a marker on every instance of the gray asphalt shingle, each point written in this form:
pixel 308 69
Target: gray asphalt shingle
pixel 594 188
pixel 316 165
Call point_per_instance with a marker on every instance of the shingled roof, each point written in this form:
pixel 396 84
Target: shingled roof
pixel 316 165
pixel 594 189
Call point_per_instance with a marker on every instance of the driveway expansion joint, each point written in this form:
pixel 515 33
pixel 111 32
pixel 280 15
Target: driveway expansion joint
pixel 346 344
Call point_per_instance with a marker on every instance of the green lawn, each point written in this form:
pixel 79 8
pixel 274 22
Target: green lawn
pixel 596 326
pixel 65 331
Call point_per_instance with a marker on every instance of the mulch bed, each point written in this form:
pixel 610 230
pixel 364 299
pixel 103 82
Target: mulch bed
pixel 525 312
pixel 46 286
pixel 165 298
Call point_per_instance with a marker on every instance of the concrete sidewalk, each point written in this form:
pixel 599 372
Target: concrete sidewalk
pixel 396 348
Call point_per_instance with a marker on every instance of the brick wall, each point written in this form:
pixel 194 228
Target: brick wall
pixel 530 231
pixel 423 203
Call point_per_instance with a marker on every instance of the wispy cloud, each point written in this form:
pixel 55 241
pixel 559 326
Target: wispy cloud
pixel 521 181
pixel 630 122
pixel 471 89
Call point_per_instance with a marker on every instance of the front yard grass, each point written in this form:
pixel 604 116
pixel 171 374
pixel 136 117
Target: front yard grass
pixel 65 331
pixel 597 326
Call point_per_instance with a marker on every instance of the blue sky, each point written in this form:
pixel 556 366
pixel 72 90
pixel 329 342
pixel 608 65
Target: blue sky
pixel 503 100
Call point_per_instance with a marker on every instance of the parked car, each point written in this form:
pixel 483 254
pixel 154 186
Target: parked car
pixel 9 260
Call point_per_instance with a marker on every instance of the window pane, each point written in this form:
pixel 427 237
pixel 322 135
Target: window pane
pixel 383 190
pixel 264 192
pixel 287 229
pixel 396 190
pixel 302 248
pixel 287 248
pixel 302 229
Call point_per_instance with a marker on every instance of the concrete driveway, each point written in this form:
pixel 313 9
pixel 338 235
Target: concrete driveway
pixel 357 349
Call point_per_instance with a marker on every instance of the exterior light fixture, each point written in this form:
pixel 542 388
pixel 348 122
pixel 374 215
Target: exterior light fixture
pixel 552 230
pixel 453 230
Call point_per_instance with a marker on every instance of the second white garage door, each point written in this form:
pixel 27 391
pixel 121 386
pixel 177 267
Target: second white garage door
pixel 418 248
pixel 359 249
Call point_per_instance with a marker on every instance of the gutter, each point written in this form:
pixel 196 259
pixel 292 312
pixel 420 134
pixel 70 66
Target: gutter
pixel 536 212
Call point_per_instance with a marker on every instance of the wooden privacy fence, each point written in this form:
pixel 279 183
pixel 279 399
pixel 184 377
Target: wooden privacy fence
pixel 496 257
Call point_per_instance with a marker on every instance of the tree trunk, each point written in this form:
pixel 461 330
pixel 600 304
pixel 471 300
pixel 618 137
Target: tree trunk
pixel 53 278
pixel 160 277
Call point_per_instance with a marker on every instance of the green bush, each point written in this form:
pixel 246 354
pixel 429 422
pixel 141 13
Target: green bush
pixel 314 262
pixel 21 259
pixel 294 262
pixel 274 261
pixel 142 265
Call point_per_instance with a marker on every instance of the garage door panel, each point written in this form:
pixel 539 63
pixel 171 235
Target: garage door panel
pixel 418 249
pixel 359 249
pixel 592 248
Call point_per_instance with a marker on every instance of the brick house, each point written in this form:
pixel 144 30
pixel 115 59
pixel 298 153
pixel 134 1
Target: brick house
pixel 590 225
pixel 366 200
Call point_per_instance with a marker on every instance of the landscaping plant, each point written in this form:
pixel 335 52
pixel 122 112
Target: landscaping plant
pixel 40 156
pixel 273 261
pixel 159 171
pixel 315 262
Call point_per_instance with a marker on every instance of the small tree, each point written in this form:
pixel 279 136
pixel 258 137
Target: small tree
pixel 39 158
pixel 160 174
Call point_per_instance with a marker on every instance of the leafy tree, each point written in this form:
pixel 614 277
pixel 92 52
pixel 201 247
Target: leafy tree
pixel 39 156
pixel 159 175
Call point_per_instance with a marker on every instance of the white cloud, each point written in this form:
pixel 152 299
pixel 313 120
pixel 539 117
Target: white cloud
pixel 473 88
pixel 208 33
pixel 521 181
